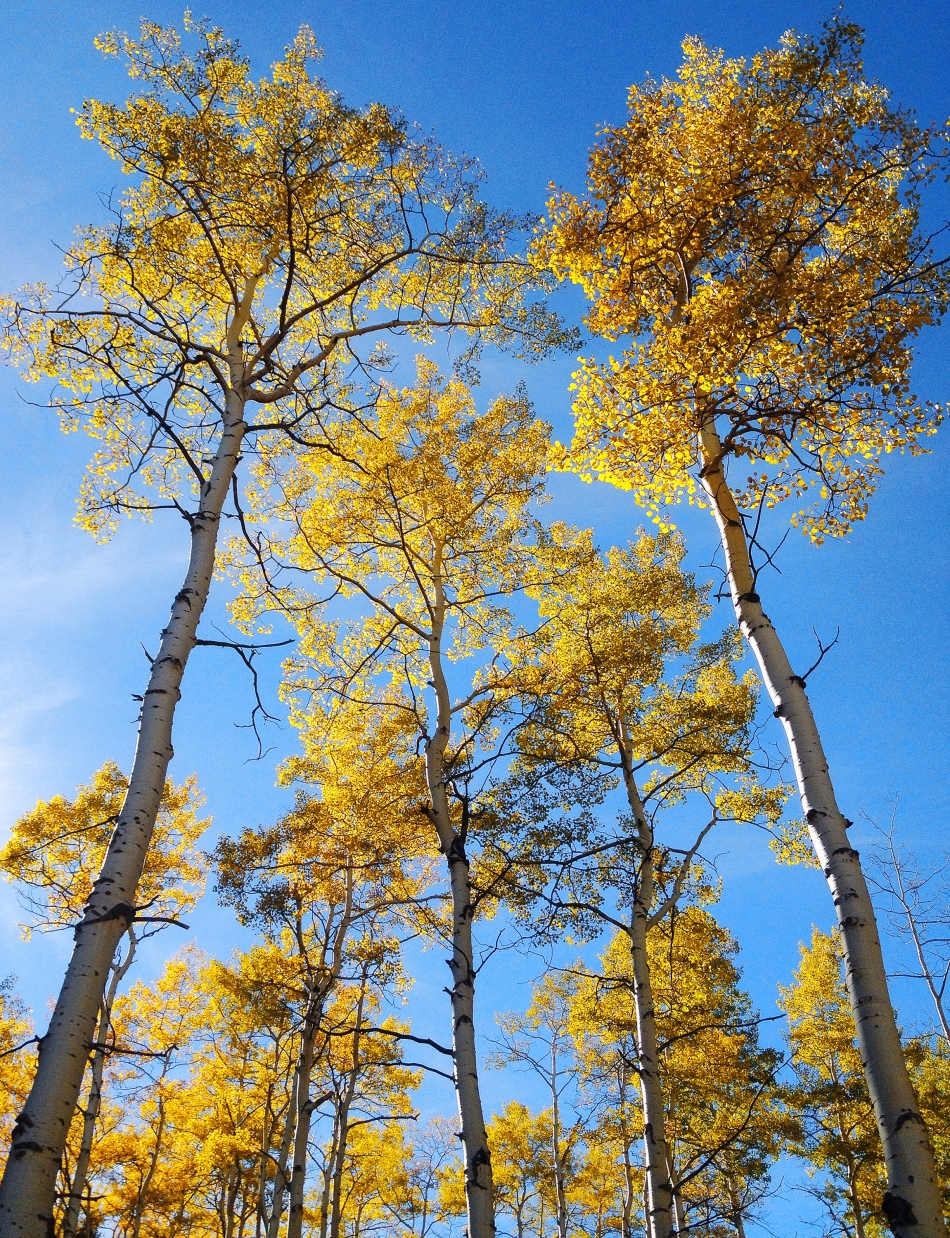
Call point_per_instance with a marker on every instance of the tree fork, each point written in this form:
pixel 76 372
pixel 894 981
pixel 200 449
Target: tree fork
pixel 911 1204
pixel 27 1190
pixel 479 1187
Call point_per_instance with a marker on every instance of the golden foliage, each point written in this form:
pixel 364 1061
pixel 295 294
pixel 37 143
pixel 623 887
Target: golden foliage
pixel 752 230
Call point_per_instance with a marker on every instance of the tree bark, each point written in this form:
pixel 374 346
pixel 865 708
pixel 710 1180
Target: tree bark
pixel 339 1159
pixel 281 1177
pixel 659 1219
pixel 91 1112
pixel 27 1190
pixel 560 1193
pixel 479 1188
pixel 912 1202
pixel 298 1177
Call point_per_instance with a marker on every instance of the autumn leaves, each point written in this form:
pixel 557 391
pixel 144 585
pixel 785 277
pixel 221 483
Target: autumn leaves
pixel 496 716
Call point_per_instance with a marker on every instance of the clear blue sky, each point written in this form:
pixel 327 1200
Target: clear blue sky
pixel 522 86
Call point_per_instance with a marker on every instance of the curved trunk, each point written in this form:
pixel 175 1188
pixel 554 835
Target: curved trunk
pixel 91 1112
pixel 479 1189
pixel 659 1192
pixel 912 1203
pixel 39 1137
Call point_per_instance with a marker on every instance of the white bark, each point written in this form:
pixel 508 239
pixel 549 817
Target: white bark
pixel 479 1190
pixel 94 1100
pixel 281 1176
pixel 560 1192
pixel 659 1192
pixel 39 1137
pixel 305 1106
pixel 912 1203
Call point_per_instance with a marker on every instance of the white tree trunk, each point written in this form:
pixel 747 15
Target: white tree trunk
pixel 560 1186
pixel 281 1176
pixel 479 1189
pixel 94 1100
pixel 659 1193
pixel 39 1137
pixel 912 1203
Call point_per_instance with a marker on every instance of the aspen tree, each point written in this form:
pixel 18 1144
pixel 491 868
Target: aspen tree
pixel 323 882
pixel 716 1081
pixel 53 855
pixel 615 703
pixel 829 1101
pixel 366 1086
pixel 540 1040
pixel 15 1034
pixel 753 232
pixel 424 516
pixel 265 230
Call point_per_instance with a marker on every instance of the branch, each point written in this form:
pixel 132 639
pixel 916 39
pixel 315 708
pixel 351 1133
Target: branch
pixel 823 649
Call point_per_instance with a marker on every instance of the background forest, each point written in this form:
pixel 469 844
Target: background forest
pixel 454 707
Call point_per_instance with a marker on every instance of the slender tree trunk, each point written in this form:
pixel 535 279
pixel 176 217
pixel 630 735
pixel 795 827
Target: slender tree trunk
pixel 147 1180
pixel 659 1220
pixel 339 1160
pixel 560 1193
pixel 281 1176
pixel 626 1216
pixel 94 1101
pixel 679 1215
pixel 912 1203
pixel 328 1177
pixel 479 1189
pixel 298 1178
pixel 735 1207
pixel 39 1137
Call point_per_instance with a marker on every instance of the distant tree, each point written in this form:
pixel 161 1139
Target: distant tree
pixel 829 1101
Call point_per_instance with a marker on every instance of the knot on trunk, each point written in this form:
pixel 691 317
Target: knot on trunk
pixel 455 852
pixel 907 1116
pixel 121 911
pixel 481 1159
pixel 897 1211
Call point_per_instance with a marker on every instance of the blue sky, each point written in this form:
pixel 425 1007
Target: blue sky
pixel 522 86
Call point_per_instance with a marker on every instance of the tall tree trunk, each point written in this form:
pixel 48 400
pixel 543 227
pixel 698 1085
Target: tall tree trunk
pixel 339 1158
pixel 298 1178
pixel 479 1189
pixel 736 1210
pixel 626 1215
pixel 659 1219
pixel 27 1190
pixel 281 1176
pixel 94 1100
pixel 142 1198
pixel 912 1203
pixel 560 1193
pixel 334 946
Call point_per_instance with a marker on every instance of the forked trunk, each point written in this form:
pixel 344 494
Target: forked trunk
pixel 346 1104
pixel 912 1203
pixel 479 1190
pixel 39 1138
